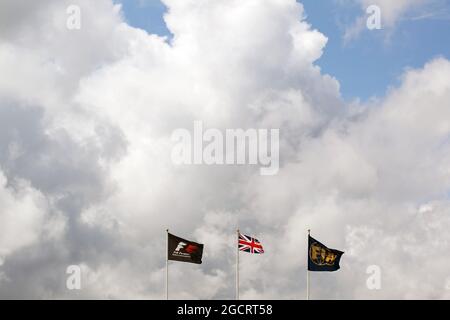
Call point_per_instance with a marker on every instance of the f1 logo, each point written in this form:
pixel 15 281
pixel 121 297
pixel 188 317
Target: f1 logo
pixel 180 246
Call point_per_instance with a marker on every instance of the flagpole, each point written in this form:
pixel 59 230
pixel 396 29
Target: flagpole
pixel 307 268
pixel 237 265
pixel 167 264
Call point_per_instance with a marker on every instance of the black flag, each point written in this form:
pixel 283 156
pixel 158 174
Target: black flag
pixel 184 250
pixel 321 258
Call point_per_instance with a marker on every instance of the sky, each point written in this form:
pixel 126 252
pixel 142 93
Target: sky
pixel 88 108
pixel 365 66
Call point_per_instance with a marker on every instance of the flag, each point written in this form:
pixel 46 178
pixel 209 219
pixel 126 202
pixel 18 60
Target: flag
pixel 321 258
pixel 249 244
pixel 183 250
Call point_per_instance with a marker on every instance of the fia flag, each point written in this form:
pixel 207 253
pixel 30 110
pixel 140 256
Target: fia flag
pixel 183 250
pixel 321 258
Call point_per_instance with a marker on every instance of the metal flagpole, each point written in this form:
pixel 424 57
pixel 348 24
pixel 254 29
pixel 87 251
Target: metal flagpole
pixel 237 265
pixel 307 269
pixel 167 264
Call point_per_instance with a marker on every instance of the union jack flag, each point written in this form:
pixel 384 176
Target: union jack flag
pixel 250 245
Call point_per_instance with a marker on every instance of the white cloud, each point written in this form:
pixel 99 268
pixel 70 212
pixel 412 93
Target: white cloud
pixel 87 118
pixel 22 216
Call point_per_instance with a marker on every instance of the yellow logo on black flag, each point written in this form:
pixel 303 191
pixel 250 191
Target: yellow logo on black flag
pixel 321 258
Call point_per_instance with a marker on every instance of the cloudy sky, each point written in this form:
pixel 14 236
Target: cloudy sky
pixel 86 118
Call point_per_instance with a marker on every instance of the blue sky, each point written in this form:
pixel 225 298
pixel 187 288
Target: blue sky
pixel 366 66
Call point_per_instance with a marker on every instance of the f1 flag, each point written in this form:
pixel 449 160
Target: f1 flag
pixel 249 244
pixel 321 258
pixel 184 250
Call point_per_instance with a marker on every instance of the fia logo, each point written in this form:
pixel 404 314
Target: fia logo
pixel 322 256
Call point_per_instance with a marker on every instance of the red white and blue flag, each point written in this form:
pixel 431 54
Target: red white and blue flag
pixel 250 245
